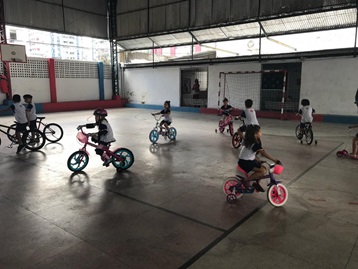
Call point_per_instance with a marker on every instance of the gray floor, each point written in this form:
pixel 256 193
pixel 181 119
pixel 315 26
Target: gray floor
pixel 168 210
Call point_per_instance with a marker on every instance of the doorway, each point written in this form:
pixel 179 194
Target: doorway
pixel 194 87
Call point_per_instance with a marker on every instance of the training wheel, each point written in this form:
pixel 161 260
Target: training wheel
pixel 315 142
pixel 301 142
pixel 119 169
pixel 231 198
pixel 216 130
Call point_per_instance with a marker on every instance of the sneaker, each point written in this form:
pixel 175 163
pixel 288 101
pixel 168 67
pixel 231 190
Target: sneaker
pixel 258 187
pixel 107 162
pixel 19 148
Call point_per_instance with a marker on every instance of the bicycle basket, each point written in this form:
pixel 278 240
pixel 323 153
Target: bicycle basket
pixel 82 137
pixel 278 169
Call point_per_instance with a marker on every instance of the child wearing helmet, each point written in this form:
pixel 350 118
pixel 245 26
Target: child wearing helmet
pixel 104 136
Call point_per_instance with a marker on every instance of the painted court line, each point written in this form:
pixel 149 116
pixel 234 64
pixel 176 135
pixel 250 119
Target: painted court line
pixel 247 217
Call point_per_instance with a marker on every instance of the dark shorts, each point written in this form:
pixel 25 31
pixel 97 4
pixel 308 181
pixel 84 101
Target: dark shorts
pixel 33 125
pixel 248 165
pixel 243 128
pixel 164 121
pixel 21 127
pixel 302 125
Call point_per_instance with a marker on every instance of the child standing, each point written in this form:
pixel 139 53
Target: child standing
pixel 21 120
pixel 306 113
pixel 249 116
pixel 248 159
pixel 354 143
pixel 166 113
pixel 30 112
pixel 104 136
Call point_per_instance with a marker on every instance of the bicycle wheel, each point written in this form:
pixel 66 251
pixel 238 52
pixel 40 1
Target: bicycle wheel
pixel 221 126
pixel 277 195
pixel 126 155
pixel 11 133
pixel 299 135
pixel 33 140
pixel 53 132
pixel 236 140
pixel 172 133
pixel 309 136
pixel 153 136
pixel 231 181
pixel 77 161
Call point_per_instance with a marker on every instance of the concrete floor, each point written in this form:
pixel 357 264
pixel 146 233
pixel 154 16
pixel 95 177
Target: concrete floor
pixel 168 210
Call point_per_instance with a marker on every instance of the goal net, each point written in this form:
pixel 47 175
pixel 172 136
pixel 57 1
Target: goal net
pixel 265 88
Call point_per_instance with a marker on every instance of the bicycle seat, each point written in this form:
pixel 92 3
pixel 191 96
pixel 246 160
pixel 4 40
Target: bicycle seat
pixel 40 118
pixel 242 171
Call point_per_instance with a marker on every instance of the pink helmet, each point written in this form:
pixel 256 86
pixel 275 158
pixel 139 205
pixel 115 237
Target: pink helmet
pixel 100 112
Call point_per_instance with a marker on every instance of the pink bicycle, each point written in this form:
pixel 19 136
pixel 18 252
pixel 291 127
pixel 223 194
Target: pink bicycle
pixel 121 158
pixel 224 122
pixel 277 194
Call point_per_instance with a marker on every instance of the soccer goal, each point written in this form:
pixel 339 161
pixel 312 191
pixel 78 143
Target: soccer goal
pixel 266 88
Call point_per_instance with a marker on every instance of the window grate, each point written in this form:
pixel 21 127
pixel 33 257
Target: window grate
pixel 69 69
pixel 34 68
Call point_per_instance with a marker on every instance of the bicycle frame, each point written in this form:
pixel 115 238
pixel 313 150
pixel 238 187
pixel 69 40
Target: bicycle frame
pixel 104 148
pixel 270 176
pixel 7 127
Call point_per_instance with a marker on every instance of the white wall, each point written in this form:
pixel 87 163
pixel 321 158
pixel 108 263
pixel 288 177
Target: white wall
pixel 160 84
pixel 75 89
pixel 108 89
pixel 153 85
pixel 39 88
pixel 330 85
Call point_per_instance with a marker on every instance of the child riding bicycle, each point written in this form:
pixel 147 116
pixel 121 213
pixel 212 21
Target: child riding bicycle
pixel 166 113
pixel 104 137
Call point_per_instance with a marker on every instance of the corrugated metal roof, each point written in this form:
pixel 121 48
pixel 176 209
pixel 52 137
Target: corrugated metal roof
pixel 304 23
pixel 317 21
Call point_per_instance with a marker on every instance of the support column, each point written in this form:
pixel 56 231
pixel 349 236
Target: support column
pixel 6 66
pixel 115 65
pixel 52 78
pixel 100 81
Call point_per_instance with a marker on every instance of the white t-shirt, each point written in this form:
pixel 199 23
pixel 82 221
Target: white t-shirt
pixel 250 116
pixel 108 137
pixel 306 114
pixel 250 153
pixel 19 112
pixel 31 111
pixel 167 115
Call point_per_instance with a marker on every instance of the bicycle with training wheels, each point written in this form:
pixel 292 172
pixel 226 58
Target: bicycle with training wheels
pixel 158 130
pixel 53 132
pixel 32 140
pixel 226 121
pixel 121 158
pixel 306 133
pixel 277 194
pixel 236 139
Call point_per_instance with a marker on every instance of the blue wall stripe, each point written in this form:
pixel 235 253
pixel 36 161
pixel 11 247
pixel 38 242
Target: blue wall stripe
pixel 340 119
pixel 100 81
pixel 157 107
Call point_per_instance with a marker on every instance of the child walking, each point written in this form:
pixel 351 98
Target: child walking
pixel 249 116
pixel 248 159
pixel 21 120
pixel 166 113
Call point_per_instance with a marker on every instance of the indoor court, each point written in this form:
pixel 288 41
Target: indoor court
pixel 168 210
pixel 174 197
